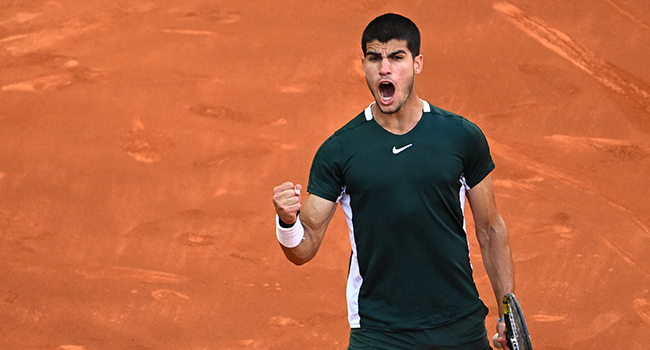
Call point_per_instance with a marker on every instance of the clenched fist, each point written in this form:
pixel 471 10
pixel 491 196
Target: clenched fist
pixel 286 199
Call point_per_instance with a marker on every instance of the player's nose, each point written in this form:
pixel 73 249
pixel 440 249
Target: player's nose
pixel 385 67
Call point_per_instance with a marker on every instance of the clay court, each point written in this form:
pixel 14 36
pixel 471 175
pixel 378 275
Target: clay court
pixel 140 141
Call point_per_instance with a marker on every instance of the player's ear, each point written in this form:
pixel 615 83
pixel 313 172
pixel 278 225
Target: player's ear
pixel 418 63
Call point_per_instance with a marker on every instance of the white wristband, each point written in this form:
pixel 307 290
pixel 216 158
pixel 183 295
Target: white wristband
pixel 289 237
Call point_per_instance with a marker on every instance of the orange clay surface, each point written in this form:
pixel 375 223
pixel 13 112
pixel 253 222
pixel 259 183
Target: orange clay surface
pixel 140 141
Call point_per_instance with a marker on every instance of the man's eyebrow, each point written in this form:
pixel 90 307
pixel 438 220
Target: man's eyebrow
pixel 398 52
pixel 392 54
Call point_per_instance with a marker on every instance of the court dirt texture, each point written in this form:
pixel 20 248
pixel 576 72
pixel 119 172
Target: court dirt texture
pixel 140 141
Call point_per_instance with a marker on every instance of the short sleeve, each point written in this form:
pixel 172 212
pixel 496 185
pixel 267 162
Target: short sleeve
pixel 478 160
pixel 325 176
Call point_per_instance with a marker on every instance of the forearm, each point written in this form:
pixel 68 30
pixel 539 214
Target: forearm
pixel 306 249
pixel 301 254
pixel 300 237
pixel 312 223
pixel 497 258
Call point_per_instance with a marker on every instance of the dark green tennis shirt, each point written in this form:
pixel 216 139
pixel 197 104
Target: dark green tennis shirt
pixel 403 196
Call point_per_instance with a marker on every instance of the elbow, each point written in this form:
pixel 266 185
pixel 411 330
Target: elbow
pixel 491 233
pixel 298 261
pixel 294 258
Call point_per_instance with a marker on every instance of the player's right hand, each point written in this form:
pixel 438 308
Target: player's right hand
pixel 286 199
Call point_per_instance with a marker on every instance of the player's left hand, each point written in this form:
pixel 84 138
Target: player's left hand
pixel 501 330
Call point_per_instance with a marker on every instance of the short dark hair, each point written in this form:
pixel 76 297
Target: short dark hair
pixel 392 26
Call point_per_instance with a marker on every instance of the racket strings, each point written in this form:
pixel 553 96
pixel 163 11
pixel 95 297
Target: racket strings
pixel 514 335
pixel 516 329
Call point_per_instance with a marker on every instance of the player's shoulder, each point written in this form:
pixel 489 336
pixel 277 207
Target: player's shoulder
pixel 437 111
pixel 444 115
pixel 451 119
pixel 336 142
pixel 353 129
pixel 352 125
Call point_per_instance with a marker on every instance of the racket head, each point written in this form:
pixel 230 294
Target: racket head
pixel 516 329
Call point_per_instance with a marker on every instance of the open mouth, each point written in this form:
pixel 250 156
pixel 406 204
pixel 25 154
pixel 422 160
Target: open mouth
pixel 386 90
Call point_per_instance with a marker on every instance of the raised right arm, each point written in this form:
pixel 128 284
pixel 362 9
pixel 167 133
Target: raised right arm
pixel 315 215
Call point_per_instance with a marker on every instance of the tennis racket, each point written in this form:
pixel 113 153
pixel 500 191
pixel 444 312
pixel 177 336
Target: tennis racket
pixel 516 329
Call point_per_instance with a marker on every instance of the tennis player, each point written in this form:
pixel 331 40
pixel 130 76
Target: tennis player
pixel 402 170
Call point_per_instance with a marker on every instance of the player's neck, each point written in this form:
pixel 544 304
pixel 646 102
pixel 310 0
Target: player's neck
pixel 402 121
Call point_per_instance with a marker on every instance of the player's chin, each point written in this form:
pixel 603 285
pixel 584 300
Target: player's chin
pixel 385 105
pixel 388 108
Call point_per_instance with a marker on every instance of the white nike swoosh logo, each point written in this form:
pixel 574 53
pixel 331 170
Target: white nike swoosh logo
pixel 398 150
